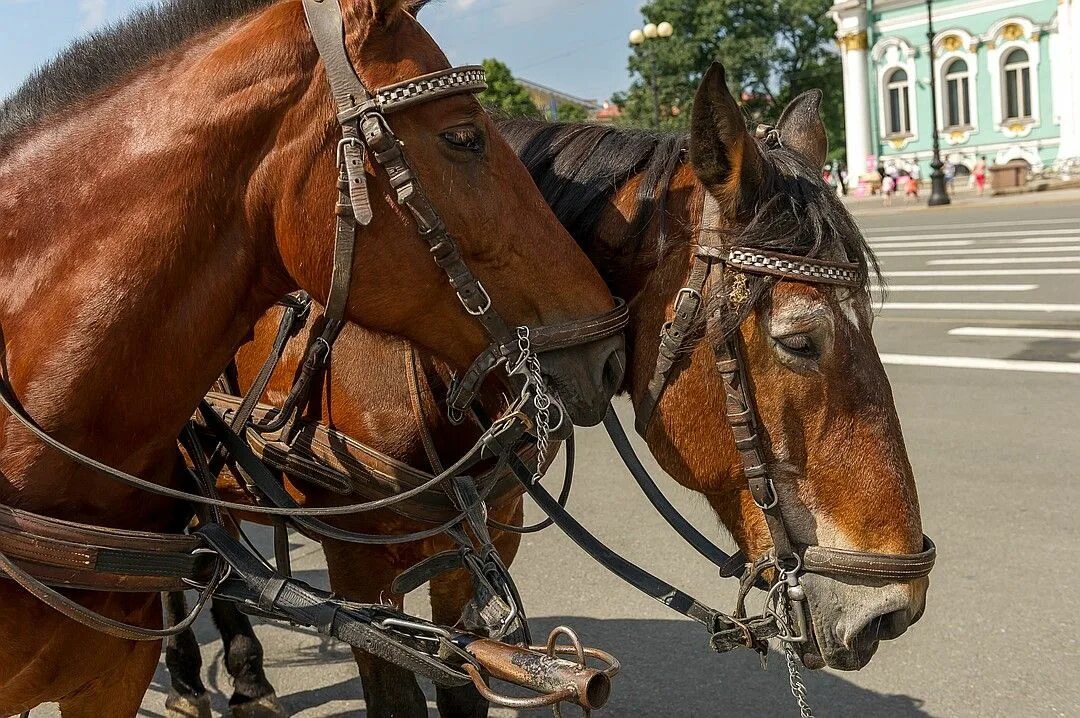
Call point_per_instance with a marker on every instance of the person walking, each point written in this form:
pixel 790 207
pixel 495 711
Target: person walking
pixel 888 186
pixel 950 175
pixel 979 173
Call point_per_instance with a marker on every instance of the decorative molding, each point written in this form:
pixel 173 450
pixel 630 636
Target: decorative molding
pixel 853 41
pixel 1012 31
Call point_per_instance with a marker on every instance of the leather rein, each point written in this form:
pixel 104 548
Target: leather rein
pixel 42 554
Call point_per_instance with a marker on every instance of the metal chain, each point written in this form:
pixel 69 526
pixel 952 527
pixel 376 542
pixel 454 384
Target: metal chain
pixel 529 366
pixel 798 688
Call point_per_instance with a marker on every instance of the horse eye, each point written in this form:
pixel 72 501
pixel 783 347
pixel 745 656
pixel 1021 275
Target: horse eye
pixel 799 345
pixel 465 139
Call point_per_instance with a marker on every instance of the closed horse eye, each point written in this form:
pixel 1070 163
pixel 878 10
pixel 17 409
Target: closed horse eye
pixel 465 139
pixel 802 346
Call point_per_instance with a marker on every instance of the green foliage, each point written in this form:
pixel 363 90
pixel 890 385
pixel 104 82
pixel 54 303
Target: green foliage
pixel 505 95
pixel 569 112
pixel 772 49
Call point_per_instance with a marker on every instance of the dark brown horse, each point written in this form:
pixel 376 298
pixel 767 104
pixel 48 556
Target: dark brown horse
pixel 633 201
pixel 162 184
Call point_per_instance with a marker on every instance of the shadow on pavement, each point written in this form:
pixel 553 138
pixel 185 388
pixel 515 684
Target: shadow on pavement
pixel 667 670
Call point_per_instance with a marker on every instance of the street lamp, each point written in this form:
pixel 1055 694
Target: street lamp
pixel 638 38
pixel 939 195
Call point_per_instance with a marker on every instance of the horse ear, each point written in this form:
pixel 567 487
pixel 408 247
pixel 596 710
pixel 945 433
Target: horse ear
pixel 725 157
pixel 416 6
pixel 802 130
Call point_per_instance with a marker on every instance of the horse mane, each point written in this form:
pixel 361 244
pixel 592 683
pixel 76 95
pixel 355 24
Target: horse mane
pixel 100 60
pixel 579 167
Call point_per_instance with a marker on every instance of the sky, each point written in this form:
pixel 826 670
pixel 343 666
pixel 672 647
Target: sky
pixel 576 46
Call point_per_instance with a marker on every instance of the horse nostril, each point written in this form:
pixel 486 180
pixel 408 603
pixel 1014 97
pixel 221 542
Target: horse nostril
pixel 614 370
pixel 884 628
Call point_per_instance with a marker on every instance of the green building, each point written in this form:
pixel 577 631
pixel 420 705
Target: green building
pixel 1006 74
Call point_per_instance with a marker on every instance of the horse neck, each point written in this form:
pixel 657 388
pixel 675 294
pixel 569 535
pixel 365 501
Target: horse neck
pixel 125 296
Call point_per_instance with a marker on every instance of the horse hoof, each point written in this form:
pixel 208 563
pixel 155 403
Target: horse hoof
pixel 265 707
pixel 178 706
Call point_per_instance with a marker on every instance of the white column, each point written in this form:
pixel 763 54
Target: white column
pixel 1064 54
pixel 856 102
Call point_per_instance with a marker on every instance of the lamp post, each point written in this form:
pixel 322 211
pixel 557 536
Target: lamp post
pixel 638 38
pixel 939 195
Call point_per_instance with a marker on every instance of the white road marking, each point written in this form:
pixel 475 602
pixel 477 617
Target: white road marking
pixel 1038 240
pixel 984 306
pixel 916 245
pixel 1040 271
pixel 1004 260
pixel 1046 367
pixel 1022 222
pixel 1011 333
pixel 982 250
pixel 909 236
pixel 957 287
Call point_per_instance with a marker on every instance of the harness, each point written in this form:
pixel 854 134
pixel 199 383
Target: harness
pixel 42 554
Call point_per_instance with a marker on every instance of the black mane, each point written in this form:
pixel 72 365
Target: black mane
pixel 579 167
pixel 100 60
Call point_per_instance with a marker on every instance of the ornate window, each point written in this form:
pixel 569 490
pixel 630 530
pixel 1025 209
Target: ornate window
pixel 898 102
pixel 1016 90
pixel 957 104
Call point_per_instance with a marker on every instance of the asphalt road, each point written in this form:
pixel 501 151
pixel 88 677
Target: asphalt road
pixel 984 367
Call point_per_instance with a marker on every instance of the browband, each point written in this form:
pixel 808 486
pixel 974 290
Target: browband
pixel 454 81
pixel 785 266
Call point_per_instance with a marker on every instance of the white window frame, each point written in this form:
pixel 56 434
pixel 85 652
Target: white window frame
pixel 904 92
pixel 942 59
pixel 996 61
pixel 1017 69
pixel 889 54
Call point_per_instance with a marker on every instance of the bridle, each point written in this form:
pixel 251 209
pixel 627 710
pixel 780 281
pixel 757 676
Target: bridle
pixel 714 249
pixel 367 133
pixel 41 553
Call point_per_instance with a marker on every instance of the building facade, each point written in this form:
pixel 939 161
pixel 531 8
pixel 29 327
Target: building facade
pixel 1006 73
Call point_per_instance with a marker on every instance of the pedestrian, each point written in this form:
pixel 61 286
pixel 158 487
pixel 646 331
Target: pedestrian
pixel 950 175
pixel 833 178
pixel 843 179
pixel 979 173
pixel 888 185
pixel 912 188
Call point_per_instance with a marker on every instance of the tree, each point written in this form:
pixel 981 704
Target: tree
pixel 569 112
pixel 505 95
pixel 772 49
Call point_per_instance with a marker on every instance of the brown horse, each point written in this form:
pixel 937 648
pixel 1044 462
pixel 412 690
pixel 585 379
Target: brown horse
pixel 633 201
pixel 162 184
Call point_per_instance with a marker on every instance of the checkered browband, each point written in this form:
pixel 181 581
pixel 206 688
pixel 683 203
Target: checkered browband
pixel 786 266
pixel 455 81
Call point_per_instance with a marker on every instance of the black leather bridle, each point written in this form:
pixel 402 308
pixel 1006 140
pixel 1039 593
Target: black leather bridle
pixel 366 133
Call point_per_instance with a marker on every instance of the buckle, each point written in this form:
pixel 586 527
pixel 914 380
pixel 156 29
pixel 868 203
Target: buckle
pixel 482 310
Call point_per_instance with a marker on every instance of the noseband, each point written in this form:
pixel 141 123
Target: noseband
pixel 788 559
pixel 366 132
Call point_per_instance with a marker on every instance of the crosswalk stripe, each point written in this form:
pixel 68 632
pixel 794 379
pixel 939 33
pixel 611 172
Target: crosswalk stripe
pixel 974 225
pixel 975 235
pixel 981 250
pixel 1025 272
pixel 947 362
pixel 984 306
pixel 1004 260
pixel 1015 333
pixel 917 245
pixel 957 288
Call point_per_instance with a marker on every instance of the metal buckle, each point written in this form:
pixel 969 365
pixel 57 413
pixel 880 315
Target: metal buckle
pixel 487 301
pixel 771 488
pixel 683 294
pixel 347 142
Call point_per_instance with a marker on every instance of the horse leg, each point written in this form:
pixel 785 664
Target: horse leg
pixel 364 574
pixel 449 595
pixel 253 696
pixel 183 659
pixel 118 694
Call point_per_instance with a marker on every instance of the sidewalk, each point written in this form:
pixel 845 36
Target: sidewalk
pixel 961 199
